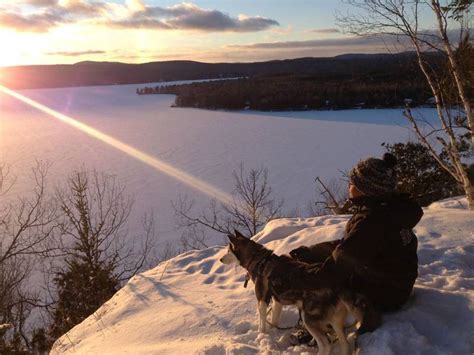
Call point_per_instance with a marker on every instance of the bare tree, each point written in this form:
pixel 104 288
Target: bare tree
pixel 15 301
pixel 252 207
pixel 402 18
pixel 26 224
pixel 334 197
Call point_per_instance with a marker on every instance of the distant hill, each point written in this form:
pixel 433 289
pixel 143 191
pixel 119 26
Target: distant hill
pixel 108 73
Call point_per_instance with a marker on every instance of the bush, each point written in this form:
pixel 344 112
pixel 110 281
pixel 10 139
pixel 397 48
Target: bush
pixel 420 175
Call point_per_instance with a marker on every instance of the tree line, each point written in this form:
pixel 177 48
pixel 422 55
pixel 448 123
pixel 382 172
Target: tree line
pixel 299 92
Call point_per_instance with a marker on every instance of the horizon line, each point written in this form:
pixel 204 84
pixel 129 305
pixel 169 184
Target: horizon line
pixel 204 62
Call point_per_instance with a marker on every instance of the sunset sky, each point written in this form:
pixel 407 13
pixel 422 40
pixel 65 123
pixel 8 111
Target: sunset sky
pixel 135 31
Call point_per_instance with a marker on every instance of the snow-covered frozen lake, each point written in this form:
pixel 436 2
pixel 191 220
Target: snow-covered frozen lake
pixel 206 144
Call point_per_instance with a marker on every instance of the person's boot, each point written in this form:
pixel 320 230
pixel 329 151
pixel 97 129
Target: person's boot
pixel 371 317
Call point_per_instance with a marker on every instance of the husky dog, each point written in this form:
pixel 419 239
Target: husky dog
pixel 290 282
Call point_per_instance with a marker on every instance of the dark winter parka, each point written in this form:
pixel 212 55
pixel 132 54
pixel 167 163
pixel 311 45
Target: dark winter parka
pixel 377 256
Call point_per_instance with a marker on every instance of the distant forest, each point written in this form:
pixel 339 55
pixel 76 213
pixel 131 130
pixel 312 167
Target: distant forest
pixel 351 82
pixel 294 92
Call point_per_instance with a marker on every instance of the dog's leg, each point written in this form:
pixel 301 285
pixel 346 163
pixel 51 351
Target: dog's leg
pixel 262 312
pixel 338 324
pixel 313 327
pixel 276 312
pixel 324 347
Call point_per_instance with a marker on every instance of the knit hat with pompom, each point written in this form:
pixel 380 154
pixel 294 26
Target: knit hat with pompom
pixel 375 177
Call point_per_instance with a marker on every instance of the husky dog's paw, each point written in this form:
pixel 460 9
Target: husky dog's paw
pixel 302 336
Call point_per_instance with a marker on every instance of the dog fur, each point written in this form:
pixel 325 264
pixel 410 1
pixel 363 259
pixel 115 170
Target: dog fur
pixel 290 282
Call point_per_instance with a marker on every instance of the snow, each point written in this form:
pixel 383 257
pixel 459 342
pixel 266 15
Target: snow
pixel 194 304
pixel 206 144
pixel 384 116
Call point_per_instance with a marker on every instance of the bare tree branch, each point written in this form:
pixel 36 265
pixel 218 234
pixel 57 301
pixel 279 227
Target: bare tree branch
pixel 401 18
pixel 252 207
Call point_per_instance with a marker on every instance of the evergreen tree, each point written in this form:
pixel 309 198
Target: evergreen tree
pixel 39 342
pixel 420 175
pixel 93 222
pixel 82 289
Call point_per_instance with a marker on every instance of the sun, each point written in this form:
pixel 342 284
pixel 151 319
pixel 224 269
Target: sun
pixel 21 48
pixel 12 49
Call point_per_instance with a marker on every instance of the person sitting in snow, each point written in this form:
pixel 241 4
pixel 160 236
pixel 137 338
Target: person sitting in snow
pixel 377 257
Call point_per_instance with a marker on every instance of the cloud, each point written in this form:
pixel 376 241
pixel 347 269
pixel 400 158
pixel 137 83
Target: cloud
pixel 312 43
pixel 354 42
pixel 41 2
pixel 49 14
pixel 76 53
pixel 191 17
pixel 135 5
pixel 327 47
pixel 37 22
pixel 43 15
pixel 325 30
pixel 82 7
pixel 147 23
pixel 71 7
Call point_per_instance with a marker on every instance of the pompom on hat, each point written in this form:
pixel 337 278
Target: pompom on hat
pixel 375 177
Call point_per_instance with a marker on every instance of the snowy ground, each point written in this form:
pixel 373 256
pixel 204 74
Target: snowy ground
pixel 195 304
pixel 206 144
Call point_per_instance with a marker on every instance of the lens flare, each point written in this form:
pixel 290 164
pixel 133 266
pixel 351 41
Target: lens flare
pixel 125 148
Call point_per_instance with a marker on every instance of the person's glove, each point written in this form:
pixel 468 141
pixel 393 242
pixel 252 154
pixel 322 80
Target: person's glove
pixel 302 254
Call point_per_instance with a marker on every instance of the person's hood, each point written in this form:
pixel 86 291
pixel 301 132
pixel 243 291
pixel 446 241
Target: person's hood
pixel 402 210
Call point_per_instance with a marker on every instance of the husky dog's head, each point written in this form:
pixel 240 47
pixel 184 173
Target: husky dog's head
pixel 229 257
pixel 232 255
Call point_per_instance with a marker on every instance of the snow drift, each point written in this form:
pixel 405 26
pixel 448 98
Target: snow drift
pixel 195 304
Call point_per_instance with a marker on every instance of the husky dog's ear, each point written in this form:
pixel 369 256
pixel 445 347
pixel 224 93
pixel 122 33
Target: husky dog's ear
pixel 238 234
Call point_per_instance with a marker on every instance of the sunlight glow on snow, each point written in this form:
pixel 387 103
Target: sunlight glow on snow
pixel 125 148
